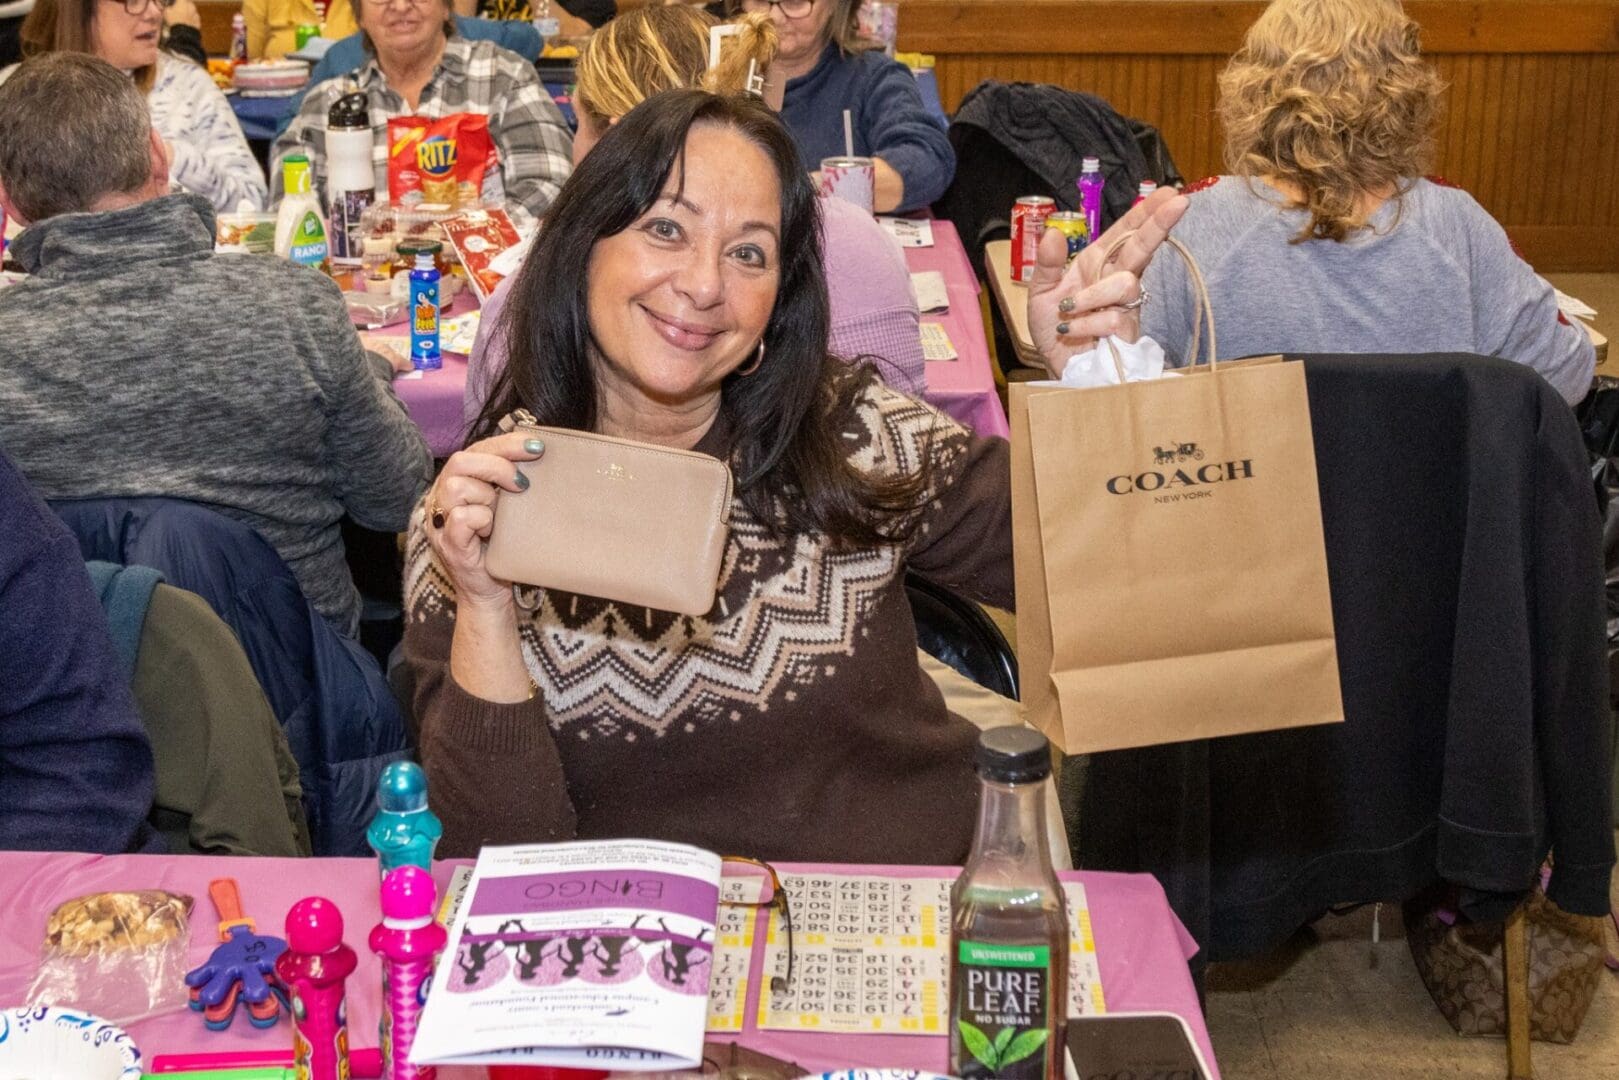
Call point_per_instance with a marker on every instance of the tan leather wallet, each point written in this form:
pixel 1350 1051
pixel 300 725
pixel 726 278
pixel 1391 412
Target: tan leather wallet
pixel 620 520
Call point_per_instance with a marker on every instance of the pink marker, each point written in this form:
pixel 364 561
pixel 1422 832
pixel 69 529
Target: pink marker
pixel 367 1063
pixel 313 968
pixel 409 941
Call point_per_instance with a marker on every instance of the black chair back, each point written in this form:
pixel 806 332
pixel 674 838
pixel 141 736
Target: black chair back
pixel 956 632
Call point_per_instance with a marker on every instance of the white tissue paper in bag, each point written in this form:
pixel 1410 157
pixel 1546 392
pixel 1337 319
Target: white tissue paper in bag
pixel 1142 359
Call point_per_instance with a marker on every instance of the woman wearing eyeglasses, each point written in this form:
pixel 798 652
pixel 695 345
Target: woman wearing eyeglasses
pixel 418 65
pixel 829 69
pixel 207 153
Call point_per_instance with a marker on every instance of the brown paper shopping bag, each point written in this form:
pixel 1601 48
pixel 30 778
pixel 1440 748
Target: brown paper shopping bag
pixel 1170 568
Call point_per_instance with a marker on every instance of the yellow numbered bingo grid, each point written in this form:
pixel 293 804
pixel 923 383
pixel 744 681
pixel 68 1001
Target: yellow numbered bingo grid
pixel 871 956
pixel 733 953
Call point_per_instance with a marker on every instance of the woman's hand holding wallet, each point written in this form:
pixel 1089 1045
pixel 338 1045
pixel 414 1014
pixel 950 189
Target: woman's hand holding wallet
pixel 461 511
pixel 485 657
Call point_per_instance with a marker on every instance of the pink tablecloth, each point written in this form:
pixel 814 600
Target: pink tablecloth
pixel 434 397
pixel 964 388
pixel 1141 947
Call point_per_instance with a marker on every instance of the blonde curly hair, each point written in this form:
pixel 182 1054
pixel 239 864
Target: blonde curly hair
pixel 651 49
pixel 1331 97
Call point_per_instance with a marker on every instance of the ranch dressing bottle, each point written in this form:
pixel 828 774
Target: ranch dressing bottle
pixel 1008 923
pixel 300 228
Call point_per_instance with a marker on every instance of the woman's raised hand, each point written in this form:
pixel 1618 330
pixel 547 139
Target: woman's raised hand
pixel 461 511
pixel 1069 308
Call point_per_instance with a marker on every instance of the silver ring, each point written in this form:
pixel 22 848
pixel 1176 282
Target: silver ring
pixel 1138 301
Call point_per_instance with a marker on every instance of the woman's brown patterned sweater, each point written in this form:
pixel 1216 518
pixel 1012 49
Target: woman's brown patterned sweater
pixel 791 722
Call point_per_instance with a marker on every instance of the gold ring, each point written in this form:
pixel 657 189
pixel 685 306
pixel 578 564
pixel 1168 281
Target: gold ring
pixel 435 514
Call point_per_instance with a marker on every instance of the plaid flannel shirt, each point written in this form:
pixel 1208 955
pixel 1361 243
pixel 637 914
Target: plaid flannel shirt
pixel 529 133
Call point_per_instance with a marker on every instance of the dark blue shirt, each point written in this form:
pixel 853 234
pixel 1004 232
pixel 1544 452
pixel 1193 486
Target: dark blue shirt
pixel 75 765
pixel 890 121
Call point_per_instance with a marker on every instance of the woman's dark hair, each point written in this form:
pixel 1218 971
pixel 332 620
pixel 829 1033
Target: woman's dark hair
pixel 786 420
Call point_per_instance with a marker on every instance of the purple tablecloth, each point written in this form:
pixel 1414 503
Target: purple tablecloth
pixel 964 388
pixel 1141 948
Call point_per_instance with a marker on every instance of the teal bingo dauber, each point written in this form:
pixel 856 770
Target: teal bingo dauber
pixel 405 831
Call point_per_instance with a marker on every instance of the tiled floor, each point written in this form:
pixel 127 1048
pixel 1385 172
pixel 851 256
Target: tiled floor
pixel 1332 1005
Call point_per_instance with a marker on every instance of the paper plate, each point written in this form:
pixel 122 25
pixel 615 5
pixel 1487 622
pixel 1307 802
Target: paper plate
pixel 43 1041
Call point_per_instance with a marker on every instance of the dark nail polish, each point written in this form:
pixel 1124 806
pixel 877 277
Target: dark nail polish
pixel 522 481
pixel 1062 328
pixel 534 446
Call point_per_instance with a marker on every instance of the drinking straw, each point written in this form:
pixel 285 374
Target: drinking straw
pixel 848 134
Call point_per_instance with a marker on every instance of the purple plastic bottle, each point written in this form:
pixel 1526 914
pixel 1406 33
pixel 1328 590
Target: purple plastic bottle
pixel 409 942
pixel 1090 194
pixel 314 968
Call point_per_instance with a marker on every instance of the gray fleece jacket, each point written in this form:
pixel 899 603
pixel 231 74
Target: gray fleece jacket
pixel 135 361
pixel 1434 273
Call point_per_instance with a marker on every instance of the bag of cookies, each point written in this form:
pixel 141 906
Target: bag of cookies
pixel 438 161
pixel 117 955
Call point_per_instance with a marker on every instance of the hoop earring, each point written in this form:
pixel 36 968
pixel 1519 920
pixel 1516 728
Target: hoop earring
pixel 743 373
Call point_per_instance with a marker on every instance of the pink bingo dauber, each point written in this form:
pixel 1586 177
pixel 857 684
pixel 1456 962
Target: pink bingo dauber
pixel 409 942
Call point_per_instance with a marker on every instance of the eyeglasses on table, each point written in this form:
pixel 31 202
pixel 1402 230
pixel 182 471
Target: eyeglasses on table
pixel 764 884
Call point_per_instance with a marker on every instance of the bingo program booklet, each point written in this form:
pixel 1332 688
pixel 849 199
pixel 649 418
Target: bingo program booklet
pixel 589 954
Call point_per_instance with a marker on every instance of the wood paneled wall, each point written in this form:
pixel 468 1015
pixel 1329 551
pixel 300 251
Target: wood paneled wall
pixel 1532 112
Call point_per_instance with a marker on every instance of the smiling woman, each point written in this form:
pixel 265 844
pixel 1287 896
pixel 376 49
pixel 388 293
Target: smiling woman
pixel 789 718
pixel 207 152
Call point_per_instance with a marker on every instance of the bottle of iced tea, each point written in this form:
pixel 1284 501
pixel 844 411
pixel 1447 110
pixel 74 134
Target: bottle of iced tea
pixel 1008 923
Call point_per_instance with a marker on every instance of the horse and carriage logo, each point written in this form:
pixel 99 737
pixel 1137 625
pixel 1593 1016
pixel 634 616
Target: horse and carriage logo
pixel 1176 452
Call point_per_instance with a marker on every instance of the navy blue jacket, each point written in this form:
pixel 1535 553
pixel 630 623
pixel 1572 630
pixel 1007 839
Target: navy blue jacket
pixel 75 766
pixel 888 116
pixel 342 722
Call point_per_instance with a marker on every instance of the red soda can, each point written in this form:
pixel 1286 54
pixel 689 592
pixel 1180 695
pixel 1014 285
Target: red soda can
pixel 1147 188
pixel 1028 225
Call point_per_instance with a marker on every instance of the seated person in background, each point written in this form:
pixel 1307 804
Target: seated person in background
pixel 574 17
pixel 652 49
pixel 1327 239
pixel 874 315
pixel 347 54
pixel 272 25
pixel 829 69
pixel 791 719
pixel 207 151
pixel 138 362
pixel 75 765
pixel 182 32
pixel 227 783
pixel 418 65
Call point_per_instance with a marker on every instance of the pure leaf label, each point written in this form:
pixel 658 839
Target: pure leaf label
pixel 1001 1005
pixel 975 952
pixel 1025 1044
pixel 977 1044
